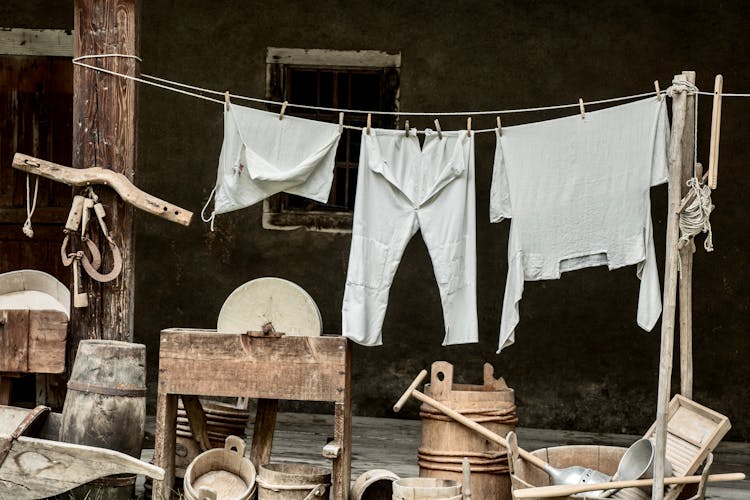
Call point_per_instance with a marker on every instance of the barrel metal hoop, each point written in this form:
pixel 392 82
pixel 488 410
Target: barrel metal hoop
pixel 131 392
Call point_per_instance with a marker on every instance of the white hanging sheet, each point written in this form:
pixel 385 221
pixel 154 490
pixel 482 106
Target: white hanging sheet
pixel 263 155
pixel 578 193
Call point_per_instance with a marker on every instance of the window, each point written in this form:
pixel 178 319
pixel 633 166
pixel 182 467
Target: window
pixel 367 80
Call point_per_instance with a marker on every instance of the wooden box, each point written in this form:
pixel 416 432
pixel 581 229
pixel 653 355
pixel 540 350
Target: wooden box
pixel 32 340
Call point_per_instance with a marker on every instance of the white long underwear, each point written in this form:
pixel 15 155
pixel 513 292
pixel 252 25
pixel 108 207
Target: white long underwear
pixel 402 188
pixel 262 155
pixel 578 193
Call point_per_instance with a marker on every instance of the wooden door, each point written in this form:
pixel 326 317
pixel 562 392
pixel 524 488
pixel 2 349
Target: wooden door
pixel 36 118
pixel 36 115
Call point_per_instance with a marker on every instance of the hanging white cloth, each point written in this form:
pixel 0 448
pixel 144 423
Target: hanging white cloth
pixel 263 155
pixel 578 193
pixel 402 188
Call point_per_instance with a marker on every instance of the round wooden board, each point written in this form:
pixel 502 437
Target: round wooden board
pixel 286 305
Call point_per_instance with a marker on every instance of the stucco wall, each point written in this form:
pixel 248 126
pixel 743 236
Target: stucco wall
pixel 579 362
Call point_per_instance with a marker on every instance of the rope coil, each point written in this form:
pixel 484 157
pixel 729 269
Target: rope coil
pixel 695 218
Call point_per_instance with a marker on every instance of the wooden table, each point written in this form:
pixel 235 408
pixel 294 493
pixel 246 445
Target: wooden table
pixel 206 363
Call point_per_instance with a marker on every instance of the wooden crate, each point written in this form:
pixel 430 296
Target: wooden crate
pixel 32 340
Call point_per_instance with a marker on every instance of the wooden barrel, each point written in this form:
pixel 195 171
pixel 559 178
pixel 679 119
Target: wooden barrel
pixel 221 474
pixel 445 442
pixel 293 482
pixel 105 406
pixel 417 488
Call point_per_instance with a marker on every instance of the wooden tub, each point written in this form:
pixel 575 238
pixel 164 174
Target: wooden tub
pixel 602 458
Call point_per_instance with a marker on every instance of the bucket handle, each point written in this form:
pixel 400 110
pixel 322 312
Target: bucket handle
pixel 235 444
pixel 318 491
pixel 205 493
pixel 441 379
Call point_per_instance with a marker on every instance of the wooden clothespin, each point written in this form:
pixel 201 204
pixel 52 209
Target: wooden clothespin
pixel 437 127
pixel 583 109
pixel 369 123
pixel 226 100
pixel 341 122
pixel 283 109
pixel 713 155
pixel 658 90
pixel 468 126
pixel 406 128
pixel 499 126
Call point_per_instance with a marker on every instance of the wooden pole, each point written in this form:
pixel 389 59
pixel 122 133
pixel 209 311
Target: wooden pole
pixel 670 285
pixel 687 251
pixel 104 135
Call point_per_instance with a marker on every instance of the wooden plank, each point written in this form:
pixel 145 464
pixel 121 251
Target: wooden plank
pixel 14 340
pixel 35 42
pixel 263 429
pixel 686 252
pixel 669 302
pixel 104 135
pixel 297 368
pixel 48 331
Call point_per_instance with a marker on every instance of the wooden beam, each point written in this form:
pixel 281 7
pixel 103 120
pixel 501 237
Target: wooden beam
pixel 687 251
pixel 104 135
pixel 28 42
pixel 679 109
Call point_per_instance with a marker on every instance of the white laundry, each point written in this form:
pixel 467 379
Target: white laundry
pixel 402 188
pixel 262 155
pixel 578 193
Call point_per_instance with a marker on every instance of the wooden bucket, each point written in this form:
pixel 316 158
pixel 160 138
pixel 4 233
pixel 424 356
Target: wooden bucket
pixel 293 482
pixel 445 442
pixel 221 474
pixel 375 484
pixel 105 406
pixel 417 488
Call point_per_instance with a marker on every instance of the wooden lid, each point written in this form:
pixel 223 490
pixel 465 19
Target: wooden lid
pixel 286 305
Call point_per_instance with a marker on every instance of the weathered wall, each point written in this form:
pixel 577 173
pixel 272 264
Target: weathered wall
pixel 580 362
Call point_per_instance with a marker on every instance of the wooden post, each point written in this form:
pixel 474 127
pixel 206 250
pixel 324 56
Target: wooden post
pixel 104 135
pixel 687 251
pixel 670 285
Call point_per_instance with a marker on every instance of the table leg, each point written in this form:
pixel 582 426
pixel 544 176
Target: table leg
pixel 265 423
pixel 5 389
pixel 342 434
pixel 166 421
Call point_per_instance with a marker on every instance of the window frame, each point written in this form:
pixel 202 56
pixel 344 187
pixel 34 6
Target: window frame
pixel 277 59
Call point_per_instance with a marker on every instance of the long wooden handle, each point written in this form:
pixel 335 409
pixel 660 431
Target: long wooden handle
pixel 561 490
pixel 450 412
pixel 713 155
pixel 97 175
pixel 407 394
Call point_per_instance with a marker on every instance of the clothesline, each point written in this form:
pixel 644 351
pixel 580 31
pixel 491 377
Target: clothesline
pixel 171 85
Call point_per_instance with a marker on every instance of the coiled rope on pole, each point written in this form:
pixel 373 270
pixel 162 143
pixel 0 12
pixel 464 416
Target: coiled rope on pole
pixel 695 218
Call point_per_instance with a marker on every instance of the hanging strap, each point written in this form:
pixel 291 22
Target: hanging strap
pixel 30 206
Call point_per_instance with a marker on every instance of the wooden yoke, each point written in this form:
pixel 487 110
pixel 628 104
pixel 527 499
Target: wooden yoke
pixel 97 175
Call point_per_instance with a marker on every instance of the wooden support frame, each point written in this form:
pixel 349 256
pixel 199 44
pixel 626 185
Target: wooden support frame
pixel 669 303
pixel 202 363
pixel 104 135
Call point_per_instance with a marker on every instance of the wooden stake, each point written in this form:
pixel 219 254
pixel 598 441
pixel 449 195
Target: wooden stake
pixel 679 110
pixel 686 251
pixel 713 157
